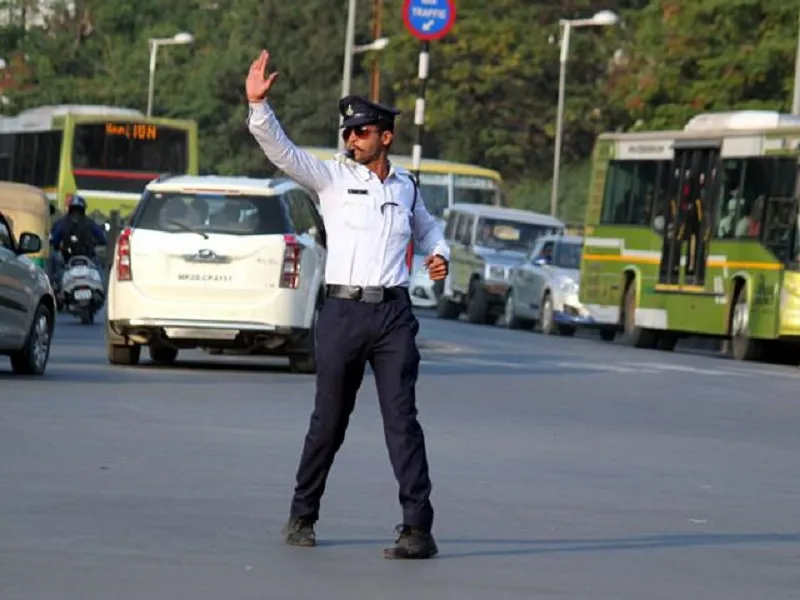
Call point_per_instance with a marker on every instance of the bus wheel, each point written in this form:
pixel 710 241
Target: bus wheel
pixel 743 347
pixel 638 337
pixel 666 341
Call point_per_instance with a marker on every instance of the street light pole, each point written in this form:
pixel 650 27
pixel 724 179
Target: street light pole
pixel 178 39
pixel 347 70
pixel 375 75
pixel 600 19
pixel 151 85
pixel 562 76
pixel 796 96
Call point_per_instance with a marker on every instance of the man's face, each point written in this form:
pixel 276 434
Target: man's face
pixel 366 142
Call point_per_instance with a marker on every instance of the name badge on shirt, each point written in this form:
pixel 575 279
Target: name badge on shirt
pixel 359 192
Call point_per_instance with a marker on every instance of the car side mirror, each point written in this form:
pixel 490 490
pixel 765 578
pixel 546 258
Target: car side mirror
pixel 540 262
pixel 29 243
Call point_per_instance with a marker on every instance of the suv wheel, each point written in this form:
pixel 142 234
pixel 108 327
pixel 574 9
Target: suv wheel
pixel 477 305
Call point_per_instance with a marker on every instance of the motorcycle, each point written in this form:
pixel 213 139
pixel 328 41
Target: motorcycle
pixel 82 293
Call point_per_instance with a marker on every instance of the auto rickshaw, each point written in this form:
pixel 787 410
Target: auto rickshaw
pixel 28 209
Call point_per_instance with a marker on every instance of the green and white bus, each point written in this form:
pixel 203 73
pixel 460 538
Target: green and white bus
pixel 695 233
pixel 107 154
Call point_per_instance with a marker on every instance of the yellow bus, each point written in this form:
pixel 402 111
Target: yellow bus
pixel 444 183
pixel 107 154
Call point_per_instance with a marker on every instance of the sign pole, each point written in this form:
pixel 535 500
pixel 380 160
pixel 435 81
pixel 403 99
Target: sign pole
pixel 426 20
pixel 419 107
pixel 419 122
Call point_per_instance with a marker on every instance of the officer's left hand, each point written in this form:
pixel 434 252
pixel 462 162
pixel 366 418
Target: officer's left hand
pixel 437 267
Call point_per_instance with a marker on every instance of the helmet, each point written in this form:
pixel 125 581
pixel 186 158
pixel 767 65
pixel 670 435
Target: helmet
pixel 76 203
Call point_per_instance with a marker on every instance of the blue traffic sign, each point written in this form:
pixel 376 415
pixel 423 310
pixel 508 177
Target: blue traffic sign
pixel 429 19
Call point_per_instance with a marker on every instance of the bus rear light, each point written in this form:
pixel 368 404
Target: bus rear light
pixel 290 269
pixel 124 272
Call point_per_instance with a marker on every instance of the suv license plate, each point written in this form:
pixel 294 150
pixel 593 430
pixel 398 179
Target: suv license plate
pixel 82 294
pixel 201 334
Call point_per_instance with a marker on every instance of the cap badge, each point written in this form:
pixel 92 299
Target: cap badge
pixel 350 112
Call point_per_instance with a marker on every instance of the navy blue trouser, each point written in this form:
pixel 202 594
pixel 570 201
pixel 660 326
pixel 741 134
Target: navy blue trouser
pixel 350 334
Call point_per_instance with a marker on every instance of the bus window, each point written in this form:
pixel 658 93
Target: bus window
pixel 742 200
pixel 632 192
pixel 472 196
pixel 780 221
pixel 474 190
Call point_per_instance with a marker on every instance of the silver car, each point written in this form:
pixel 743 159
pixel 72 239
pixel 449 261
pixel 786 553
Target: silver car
pixel 544 288
pixel 27 303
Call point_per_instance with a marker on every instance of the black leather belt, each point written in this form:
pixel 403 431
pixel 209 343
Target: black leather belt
pixel 369 294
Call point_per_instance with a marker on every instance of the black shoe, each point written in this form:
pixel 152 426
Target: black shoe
pixel 412 543
pixel 299 532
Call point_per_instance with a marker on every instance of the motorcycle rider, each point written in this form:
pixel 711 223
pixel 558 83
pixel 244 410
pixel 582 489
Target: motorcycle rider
pixel 76 234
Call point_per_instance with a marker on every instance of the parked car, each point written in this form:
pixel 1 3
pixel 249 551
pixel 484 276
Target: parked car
pixel 218 263
pixel 27 302
pixel 544 288
pixel 485 243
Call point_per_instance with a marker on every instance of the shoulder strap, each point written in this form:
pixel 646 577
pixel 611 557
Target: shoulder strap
pixel 416 193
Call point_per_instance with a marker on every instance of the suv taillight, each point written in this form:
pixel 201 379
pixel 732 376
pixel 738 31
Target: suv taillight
pixel 124 255
pixel 290 271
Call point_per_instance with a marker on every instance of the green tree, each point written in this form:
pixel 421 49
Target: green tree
pixel 685 57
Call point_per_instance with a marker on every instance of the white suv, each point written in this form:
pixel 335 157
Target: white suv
pixel 218 263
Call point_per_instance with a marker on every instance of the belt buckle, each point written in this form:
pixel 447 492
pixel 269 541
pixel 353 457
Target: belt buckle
pixel 372 295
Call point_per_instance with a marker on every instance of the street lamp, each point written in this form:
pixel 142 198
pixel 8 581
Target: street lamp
pixel 179 39
pixel 350 49
pixel 604 18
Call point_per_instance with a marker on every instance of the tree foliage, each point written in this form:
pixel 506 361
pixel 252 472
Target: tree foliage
pixel 492 91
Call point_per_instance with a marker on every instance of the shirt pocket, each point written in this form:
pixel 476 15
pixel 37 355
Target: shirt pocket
pixel 399 221
pixel 358 211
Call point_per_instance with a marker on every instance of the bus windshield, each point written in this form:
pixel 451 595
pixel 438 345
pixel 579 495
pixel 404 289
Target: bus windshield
pixel 130 147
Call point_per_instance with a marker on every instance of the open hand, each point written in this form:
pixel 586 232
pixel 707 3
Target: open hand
pixel 258 82
pixel 437 267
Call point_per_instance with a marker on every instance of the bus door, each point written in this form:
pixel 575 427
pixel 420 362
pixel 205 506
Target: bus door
pixel 688 222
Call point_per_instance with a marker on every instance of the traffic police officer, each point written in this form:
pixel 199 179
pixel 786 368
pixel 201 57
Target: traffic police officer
pixel 371 209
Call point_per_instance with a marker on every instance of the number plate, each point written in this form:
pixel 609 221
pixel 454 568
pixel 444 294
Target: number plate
pixel 79 271
pixel 187 333
pixel 83 294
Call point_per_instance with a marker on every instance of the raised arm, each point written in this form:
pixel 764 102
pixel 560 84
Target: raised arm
pixel 298 164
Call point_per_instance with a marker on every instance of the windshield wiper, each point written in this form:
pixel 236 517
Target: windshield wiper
pixel 186 227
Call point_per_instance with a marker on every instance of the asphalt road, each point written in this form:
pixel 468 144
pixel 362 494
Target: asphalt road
pixel 563 468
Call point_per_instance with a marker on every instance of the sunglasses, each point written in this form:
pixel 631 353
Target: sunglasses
pixel 362 132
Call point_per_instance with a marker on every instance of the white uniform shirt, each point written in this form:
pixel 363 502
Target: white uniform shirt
pixel 368 222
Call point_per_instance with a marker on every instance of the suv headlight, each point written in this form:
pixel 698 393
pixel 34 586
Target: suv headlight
pixel 495 272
